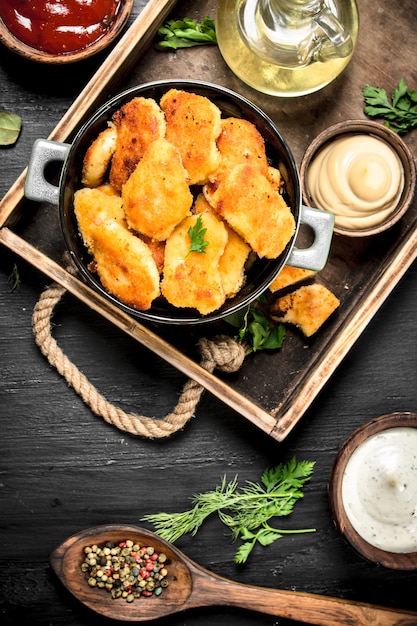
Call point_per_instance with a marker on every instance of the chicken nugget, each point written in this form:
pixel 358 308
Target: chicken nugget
pixel 240 142
pixel 123 262
pixel 138 122
pixel 192 279
pixel 290 276
pixel 250 204
pixel 93 207
pixel 307 308
pixel 193 126
pixel 98 157
pixel 234 257
pixel 156 196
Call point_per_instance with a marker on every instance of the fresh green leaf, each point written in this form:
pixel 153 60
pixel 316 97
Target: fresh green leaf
pixel 400 114
pixel 246 511
pixel 243 552
pixel 187 33
pixel 197 234
pixel 10 126
pixel 256 330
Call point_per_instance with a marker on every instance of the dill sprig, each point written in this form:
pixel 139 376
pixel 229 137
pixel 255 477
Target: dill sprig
pixel 246 511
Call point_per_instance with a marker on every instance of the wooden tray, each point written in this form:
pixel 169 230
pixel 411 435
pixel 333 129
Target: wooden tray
pixel 272 390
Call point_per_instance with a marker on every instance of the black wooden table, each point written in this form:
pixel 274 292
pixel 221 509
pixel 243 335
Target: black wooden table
pixel 64 469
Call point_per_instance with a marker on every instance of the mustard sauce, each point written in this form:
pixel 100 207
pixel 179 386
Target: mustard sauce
pixel 358 178
pixel 379 490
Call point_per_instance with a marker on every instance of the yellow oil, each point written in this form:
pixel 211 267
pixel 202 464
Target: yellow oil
pixel 268 77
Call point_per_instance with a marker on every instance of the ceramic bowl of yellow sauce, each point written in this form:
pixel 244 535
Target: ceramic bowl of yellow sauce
pixel 363 173
pixel 373 491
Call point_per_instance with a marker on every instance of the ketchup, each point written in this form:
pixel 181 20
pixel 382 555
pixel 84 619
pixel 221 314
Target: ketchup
pixel 59 26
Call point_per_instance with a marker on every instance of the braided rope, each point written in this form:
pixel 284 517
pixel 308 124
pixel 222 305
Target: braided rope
pixel 223 352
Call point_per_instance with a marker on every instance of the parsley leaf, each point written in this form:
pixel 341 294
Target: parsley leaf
pixel 256 330
pixel 196 234
pixel 400 115
pixel 187 33
pixel 246 511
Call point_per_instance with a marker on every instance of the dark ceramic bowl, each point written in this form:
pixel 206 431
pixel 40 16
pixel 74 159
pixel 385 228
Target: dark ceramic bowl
pixel 364 127
pixel 261 272
pixel 40 56
pixel 385 482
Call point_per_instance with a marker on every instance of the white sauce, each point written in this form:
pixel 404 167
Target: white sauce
pixel 359 178
pixel 379 490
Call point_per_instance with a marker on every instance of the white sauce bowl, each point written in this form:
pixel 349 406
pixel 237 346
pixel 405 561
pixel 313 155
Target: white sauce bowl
pixel 373 491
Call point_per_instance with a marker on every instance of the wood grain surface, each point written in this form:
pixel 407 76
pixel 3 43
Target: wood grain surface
pixel 64 469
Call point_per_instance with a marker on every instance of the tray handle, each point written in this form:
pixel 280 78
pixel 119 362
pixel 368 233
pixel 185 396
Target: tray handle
pixel 44 152
pixel 314 257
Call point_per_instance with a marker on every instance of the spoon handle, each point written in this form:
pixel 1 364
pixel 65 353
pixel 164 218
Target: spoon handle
pixel 303 607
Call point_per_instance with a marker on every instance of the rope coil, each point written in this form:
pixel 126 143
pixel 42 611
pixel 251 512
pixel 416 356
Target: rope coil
pixel 223 352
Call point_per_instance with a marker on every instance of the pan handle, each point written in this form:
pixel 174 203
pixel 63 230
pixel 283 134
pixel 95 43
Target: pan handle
pixel 314 257
pixel 44 152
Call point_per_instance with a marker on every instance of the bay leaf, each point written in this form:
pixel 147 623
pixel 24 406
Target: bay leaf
pixel 10 125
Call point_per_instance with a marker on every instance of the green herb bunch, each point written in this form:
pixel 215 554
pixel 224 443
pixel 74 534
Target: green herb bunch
pixel 187 33
pixel 246 511
pixel 255 329
pixel 401 114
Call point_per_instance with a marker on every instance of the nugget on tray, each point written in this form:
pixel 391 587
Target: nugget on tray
pixel 289 276
pixel 123 262
pixel 307 308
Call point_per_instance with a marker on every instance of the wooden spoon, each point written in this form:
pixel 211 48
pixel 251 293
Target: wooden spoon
pixel 190 586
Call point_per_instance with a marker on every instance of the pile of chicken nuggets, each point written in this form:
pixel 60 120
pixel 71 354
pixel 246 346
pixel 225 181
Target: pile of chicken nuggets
pixel 162 171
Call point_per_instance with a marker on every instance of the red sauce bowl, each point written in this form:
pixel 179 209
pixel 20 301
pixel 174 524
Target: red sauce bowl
pixel 61 32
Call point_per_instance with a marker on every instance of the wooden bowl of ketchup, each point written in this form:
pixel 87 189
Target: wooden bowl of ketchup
pixel 61 31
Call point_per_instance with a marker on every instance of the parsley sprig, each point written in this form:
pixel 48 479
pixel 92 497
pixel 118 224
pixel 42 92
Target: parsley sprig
pixel 197 234
pixel 246 511
pixel 401 114
pixel 187 33
pixel 256 330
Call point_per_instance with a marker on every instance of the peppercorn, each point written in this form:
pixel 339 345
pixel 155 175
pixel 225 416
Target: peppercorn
pixel 125 570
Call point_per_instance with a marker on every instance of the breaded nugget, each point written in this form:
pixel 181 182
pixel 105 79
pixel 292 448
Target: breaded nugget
pixel 98 156
pixel 232 263
pixel 240 142
pixel 233 259
pixel 158 251
pixel 290 276
pixel 192 279
pixel 92 208
pixel 193 126
pixel 156 196
pixel 248 202
pixel 138 122
pixel 307 308
pixel 124 263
